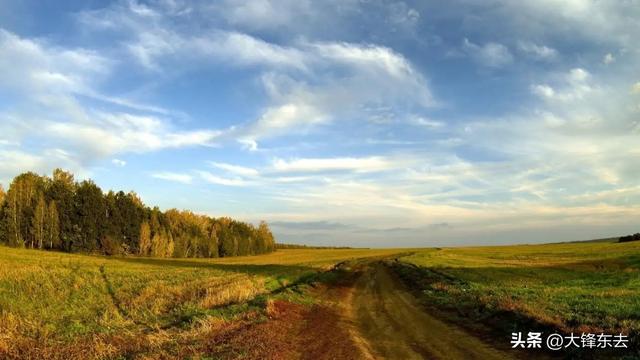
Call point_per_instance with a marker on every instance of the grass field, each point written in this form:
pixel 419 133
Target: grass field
pixel 582 286
pixel 58 305
pixel 57 298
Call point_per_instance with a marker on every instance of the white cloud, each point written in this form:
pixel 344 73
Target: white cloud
pixel 13 162
pixel 242 49
pixel 636 88
pixel 282 119
pixel 53 81
pixel 368 57
pixel 544 91
pixel 218 180
pixel 44 71
pixel 548 163
pixel 494 196
pixel 426 122
pixel 373 75
pixel 309 82
pixel 118 162
pixel 578 75
pixel 608 59
pixel 175 177
pixel 248 144
pixel 572 86
pixel 116 133
pixel 236 169
pixel 292 179
pixel 377 64
pixel 156 42
pixel 142 10
pixel 151 45
pixel 539 52
pixel 366 164
pixel 16 161
pixel 491 54
pixel 36 68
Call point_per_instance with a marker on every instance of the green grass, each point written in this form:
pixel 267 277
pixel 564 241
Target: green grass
pixel 581 286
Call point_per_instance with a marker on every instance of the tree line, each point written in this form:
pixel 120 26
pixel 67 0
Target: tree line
pixel 634 237
pixel 60 213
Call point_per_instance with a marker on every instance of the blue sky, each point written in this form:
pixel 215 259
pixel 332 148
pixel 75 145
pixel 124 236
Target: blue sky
pixel 350 122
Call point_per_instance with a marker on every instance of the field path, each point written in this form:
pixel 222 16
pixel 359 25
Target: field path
pixel 395 325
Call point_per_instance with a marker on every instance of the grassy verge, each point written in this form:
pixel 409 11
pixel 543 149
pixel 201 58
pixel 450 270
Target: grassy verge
pixel 587 287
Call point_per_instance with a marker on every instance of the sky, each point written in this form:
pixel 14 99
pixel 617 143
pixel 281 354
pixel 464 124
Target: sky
pixel 340 122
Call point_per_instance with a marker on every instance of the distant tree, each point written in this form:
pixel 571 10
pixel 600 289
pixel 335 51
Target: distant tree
pixel 110 246
pixel 59 213
pixel 90 214
pixel 61 190
pixel 132 214
pixel 12 219
pixel 38 223
pixel 159 245
pixel 170 246
pixel 3 218
pixel 227 238
pixel 634 237
pixel 266 242
pixel 211 241
pixel 114 221
pixel 52 226
pixel 242 235
pixel 145 239
pixel 154 220
pixel 63 177
pixel 21 199
pixel 193 235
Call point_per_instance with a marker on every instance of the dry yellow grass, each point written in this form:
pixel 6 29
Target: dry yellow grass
pixel 57 303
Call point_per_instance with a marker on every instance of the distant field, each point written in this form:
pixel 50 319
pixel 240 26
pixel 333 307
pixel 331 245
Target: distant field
pixel 582 286
pixel 59 298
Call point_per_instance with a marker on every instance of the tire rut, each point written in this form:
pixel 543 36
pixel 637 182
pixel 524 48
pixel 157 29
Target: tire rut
pixel 395 325
pixel 112 294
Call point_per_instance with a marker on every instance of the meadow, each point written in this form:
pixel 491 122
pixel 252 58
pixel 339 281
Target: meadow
pixel 52 299
pixel 591 286
pixel 61 305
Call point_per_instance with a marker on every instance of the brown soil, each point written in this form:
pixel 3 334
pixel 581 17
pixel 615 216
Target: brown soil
pixel 367 316
pixel 397 327
pixel 293 331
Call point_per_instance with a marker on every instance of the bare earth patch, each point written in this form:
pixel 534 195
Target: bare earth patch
pixel 293 331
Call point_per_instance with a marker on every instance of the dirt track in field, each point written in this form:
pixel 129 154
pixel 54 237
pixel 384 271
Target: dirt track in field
pixel 368 314
pixel 393 325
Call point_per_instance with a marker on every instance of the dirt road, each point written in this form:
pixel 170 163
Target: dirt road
pixel 394 325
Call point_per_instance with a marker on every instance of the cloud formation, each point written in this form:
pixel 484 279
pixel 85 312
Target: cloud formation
pixel 177 177
pixel 491 54
pixel 502 119
pixel 373 163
